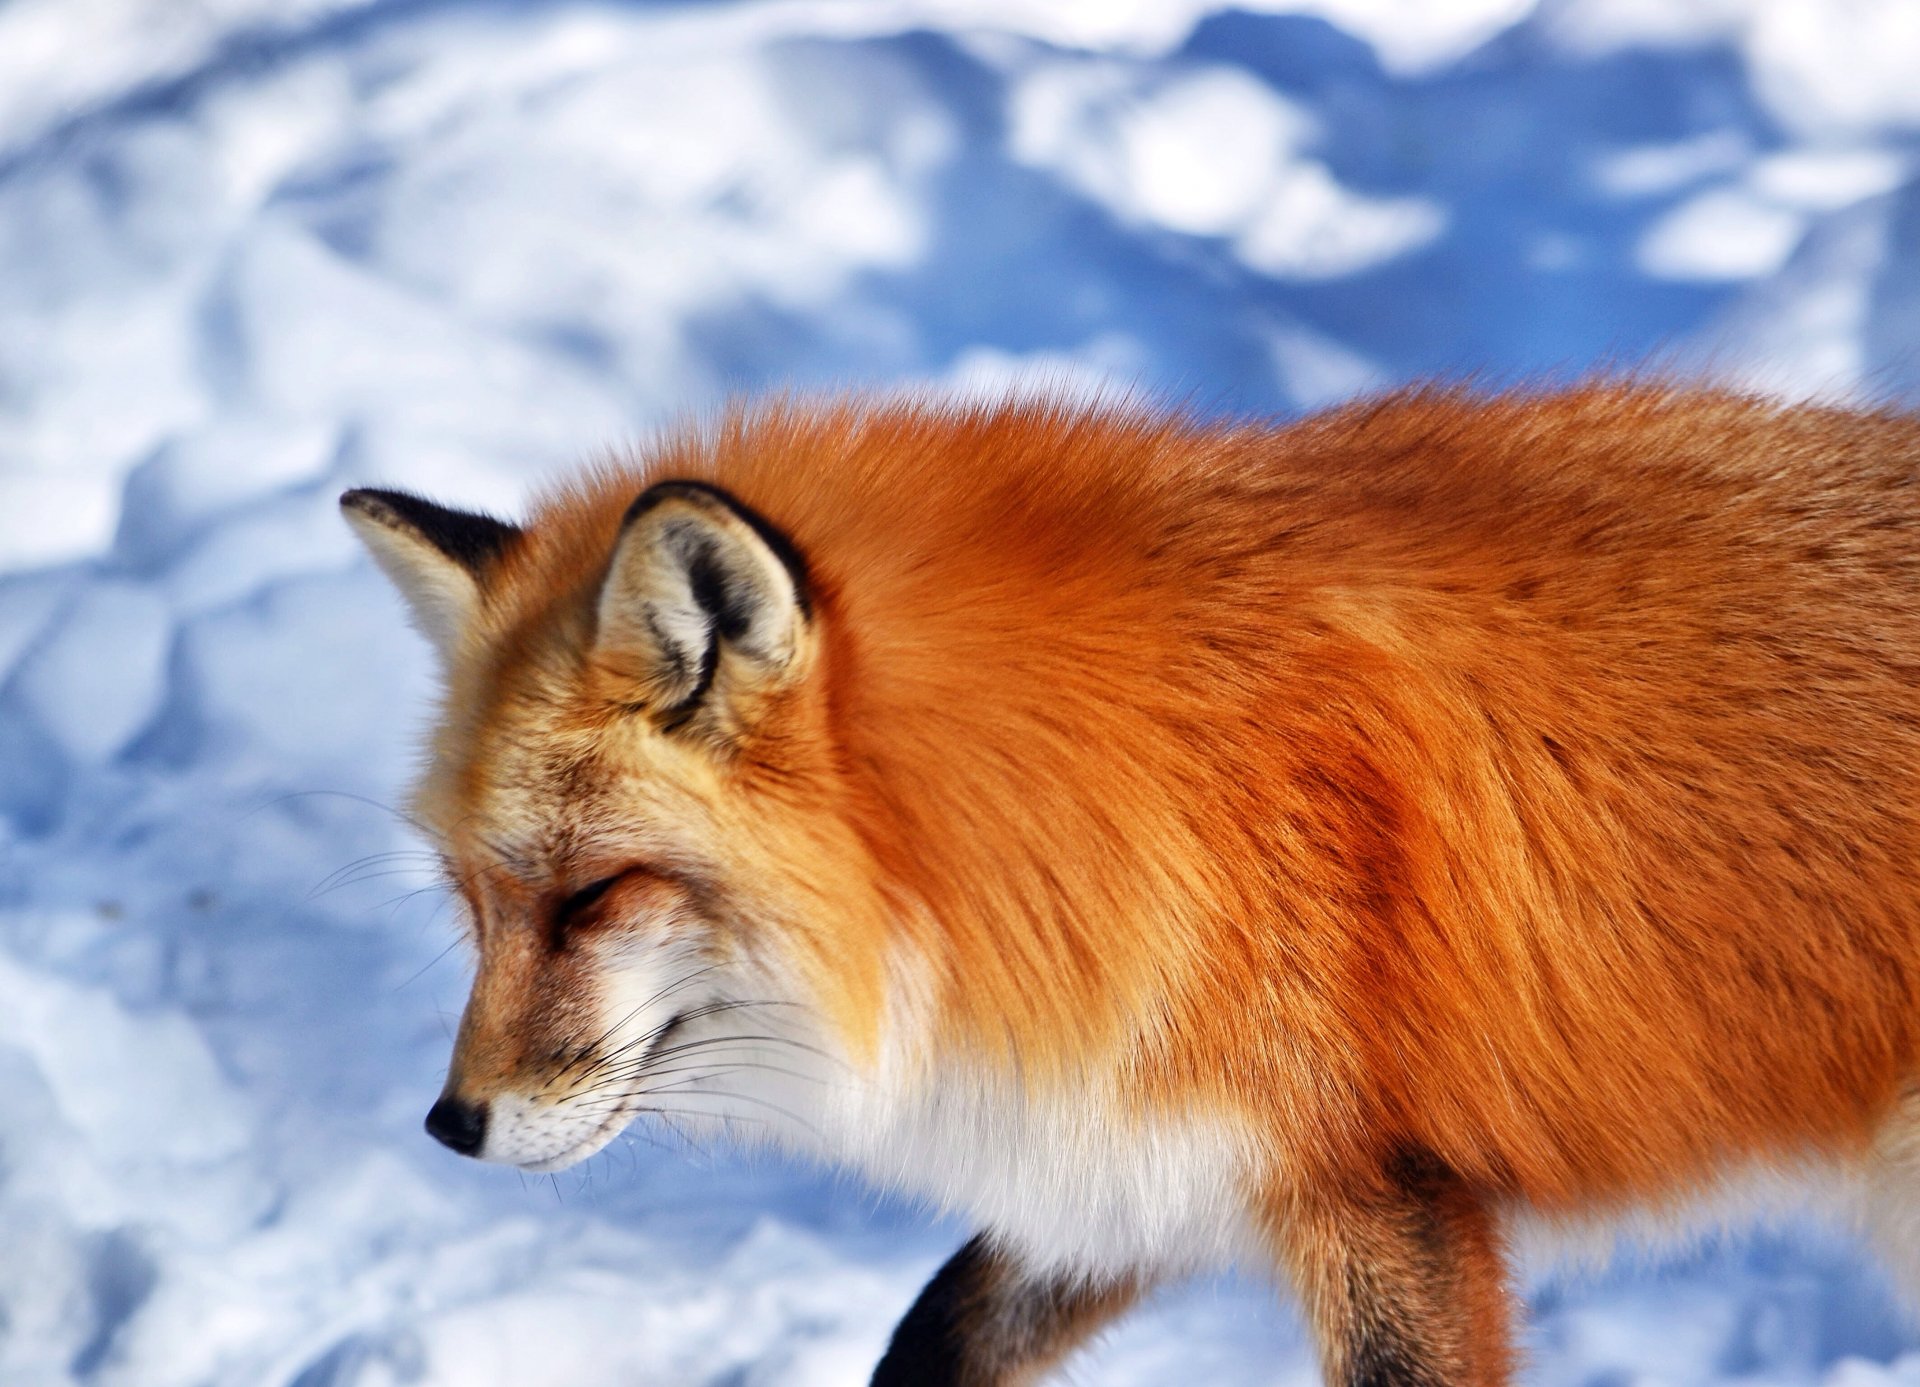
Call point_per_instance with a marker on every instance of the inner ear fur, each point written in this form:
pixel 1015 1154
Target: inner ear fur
pixel 439 558
pixel 705 604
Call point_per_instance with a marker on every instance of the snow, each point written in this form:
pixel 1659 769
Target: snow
pixel 98 676
pixel 1211 151
pixel 259 251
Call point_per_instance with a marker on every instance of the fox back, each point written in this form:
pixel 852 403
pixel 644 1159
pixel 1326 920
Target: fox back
pixel 1320 845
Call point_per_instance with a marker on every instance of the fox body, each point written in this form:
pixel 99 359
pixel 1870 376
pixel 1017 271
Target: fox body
pixel 1333 847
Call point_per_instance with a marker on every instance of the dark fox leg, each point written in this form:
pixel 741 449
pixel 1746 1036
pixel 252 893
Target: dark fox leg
pixel 985 1322
pixel 1402 1280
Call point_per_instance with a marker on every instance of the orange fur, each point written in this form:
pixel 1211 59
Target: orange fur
pixel 1529 782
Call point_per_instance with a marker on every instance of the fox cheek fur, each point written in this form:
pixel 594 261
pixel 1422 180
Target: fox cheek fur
pixel 1346 848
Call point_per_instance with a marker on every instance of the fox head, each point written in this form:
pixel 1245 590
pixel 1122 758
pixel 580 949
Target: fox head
pixel 631 790
pixel 864 752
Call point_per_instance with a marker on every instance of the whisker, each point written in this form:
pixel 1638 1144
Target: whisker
pixel 371 859
pixel 426 967
pixel 400 814
pixel 792 1117
pixel 657 997
pixel 616 1055
pixel 691 1046
pixel 586 1097
pixel 363 877
pixel 600 1075
pixel 649 1070
pixel 650 1110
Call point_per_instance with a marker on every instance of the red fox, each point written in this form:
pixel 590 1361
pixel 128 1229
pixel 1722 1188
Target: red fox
pixel 1336 847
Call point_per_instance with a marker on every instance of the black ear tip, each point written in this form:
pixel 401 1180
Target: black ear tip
pixel 382 504
pixel 467 537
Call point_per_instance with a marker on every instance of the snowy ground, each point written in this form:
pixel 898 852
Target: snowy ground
pixel 252 251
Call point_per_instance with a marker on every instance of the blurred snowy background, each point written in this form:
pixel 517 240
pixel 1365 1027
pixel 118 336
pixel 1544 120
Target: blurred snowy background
pixel 253 251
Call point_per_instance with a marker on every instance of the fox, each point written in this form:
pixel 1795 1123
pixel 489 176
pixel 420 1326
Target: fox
pixel 1351 848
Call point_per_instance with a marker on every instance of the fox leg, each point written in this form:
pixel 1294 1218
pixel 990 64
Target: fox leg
pixel 984 1321
pixel 1402 1280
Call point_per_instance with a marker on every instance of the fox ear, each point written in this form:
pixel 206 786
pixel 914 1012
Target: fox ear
pixel 438 558
pixel 705 604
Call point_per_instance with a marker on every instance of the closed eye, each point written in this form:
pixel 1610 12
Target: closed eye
pixel 581 901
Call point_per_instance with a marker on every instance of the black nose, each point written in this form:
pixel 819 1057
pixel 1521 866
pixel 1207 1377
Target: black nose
pixel 462 1126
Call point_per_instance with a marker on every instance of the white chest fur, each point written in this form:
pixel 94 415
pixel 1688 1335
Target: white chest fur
pixel 1071 1179
pixel 1071 1176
